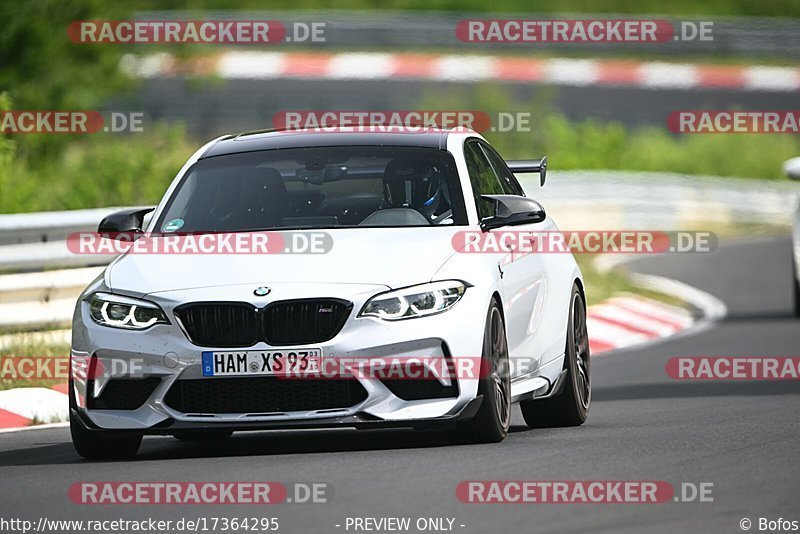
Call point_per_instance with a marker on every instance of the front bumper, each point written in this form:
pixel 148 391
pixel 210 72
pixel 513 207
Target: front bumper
pixel 165 353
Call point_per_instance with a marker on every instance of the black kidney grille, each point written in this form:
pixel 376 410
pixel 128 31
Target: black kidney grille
pixel 286 322
pixel 262 395
pixel 291 322
pixel 220 325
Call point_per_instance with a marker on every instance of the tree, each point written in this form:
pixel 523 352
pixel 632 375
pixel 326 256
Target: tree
pixel 41 69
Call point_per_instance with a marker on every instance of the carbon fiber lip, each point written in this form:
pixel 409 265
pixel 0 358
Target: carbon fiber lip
pixel 359 421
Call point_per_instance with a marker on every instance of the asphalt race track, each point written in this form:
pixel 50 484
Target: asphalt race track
pixel 740 436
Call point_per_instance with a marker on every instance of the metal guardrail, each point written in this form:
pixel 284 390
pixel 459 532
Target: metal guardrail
pixel 584 200
pixel 35 241
pixel 34 299
pixel 48 226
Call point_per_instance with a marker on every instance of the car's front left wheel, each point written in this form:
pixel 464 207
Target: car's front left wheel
pixel 571 406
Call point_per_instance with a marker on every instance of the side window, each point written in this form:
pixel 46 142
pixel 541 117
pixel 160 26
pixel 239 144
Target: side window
pixel 483 178
pixel 508 182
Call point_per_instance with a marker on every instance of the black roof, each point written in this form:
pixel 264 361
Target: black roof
pixel 270 140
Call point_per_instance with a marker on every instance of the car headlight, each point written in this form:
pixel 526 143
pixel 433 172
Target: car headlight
pixel 415 301
pixel 124 312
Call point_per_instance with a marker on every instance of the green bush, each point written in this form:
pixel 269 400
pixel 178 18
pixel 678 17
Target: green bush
pixel 99 170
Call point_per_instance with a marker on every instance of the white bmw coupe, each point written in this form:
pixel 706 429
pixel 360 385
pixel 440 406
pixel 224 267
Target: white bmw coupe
pixel 201 345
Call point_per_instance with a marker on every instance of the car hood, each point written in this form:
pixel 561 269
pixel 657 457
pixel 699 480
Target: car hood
pixel 392 257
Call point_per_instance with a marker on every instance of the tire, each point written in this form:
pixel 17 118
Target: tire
pixel 207 435
pixel 571 406
pixel 101 444
pixel 490 424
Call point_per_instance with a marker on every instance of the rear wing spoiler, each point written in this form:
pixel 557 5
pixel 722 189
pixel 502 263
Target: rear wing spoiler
pixel 522 166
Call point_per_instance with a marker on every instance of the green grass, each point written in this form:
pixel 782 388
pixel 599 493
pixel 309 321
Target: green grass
pixel 603 285
pixel 25 329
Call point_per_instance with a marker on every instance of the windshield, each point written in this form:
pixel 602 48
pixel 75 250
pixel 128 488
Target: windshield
pixel 326 187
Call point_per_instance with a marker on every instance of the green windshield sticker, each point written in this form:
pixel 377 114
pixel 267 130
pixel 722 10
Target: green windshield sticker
pixel 174 225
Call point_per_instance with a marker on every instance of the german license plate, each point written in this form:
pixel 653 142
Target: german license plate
pixel 261 362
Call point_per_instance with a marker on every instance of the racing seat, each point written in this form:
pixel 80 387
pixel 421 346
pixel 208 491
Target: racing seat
pixel 413 186
pixel 262 200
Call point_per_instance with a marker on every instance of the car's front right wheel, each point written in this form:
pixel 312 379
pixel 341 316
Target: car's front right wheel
pixel 491 423
pixel 103 445
pixel 100 444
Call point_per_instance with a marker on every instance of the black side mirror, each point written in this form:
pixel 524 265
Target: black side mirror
pixel 124 221
pixel 512 210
